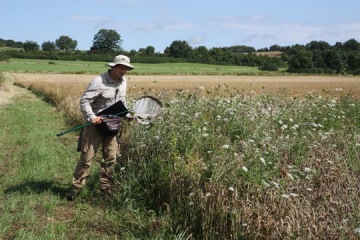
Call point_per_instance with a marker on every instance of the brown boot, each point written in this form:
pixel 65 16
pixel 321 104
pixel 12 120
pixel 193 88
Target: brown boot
pixel 71 196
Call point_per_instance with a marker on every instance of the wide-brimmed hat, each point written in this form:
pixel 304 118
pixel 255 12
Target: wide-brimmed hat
pixel 122 60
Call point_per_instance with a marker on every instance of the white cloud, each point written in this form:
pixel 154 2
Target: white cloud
pixel 85 18
pixel 197 40
pixel 259 18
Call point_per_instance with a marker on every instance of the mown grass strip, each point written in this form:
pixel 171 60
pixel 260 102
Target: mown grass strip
pixel 35 174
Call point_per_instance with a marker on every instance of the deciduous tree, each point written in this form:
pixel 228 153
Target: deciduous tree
pixel 48 46
pixel 107 40
pixel 179 49
pixel 30 46
pixel 301 59
pixel 150 50
pixel 65 43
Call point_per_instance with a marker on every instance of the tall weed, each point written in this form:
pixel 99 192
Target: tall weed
pixel 224 164
pixel 246 166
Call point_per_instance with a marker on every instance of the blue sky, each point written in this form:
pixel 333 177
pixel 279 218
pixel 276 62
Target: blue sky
pixel 157 23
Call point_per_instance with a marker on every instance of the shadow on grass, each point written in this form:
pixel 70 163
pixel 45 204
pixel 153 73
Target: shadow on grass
pixel 39 187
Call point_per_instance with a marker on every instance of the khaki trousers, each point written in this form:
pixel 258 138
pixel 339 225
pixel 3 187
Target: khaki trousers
pixel 91 141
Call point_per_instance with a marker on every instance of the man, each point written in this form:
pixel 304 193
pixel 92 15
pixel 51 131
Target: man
pixel 103 91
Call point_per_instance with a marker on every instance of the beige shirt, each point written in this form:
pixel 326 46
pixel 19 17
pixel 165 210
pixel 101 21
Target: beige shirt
pixel 100 94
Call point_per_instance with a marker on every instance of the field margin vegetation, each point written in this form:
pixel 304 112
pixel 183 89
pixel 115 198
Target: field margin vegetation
pixel 229 165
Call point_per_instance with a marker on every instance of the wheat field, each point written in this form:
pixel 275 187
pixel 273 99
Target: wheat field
pixel 293 85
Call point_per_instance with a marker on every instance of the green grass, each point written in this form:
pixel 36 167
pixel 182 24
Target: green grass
pixel 209 168
pixel 35 175
pixel 54 66
pixel 194 68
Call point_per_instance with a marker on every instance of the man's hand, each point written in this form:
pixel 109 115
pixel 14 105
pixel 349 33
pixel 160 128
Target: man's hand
pixel 129 117
pixel 96 120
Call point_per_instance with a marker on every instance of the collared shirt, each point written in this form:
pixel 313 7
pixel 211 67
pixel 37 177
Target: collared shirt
pixel 101 93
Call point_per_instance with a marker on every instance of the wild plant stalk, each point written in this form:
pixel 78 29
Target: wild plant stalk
pixel 235 165
pixel 248 165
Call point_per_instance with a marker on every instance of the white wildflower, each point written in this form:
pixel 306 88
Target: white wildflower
pixel 205 135
pixel 225 146
pixel 290 176
pixel 266 184
pixel 122 169
pixel 296 126
pixel 307 169
pixel 280 122
pixel 208 195
pixel 284 127
pixel 291 120
pixel 231 189
pixel 262 160
pixel 244 169
pixel 264 111
pixel 191 203
pixel 276 185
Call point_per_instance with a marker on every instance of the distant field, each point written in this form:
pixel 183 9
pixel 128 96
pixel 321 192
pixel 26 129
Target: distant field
pixel 270 54
pixel 293 85
pixel 187 76
pixel 81 67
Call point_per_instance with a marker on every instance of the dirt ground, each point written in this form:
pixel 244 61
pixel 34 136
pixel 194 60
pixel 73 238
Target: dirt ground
pixel 9 90
pixel 273 84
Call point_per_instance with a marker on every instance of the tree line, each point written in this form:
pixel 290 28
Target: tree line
pixel 316 57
